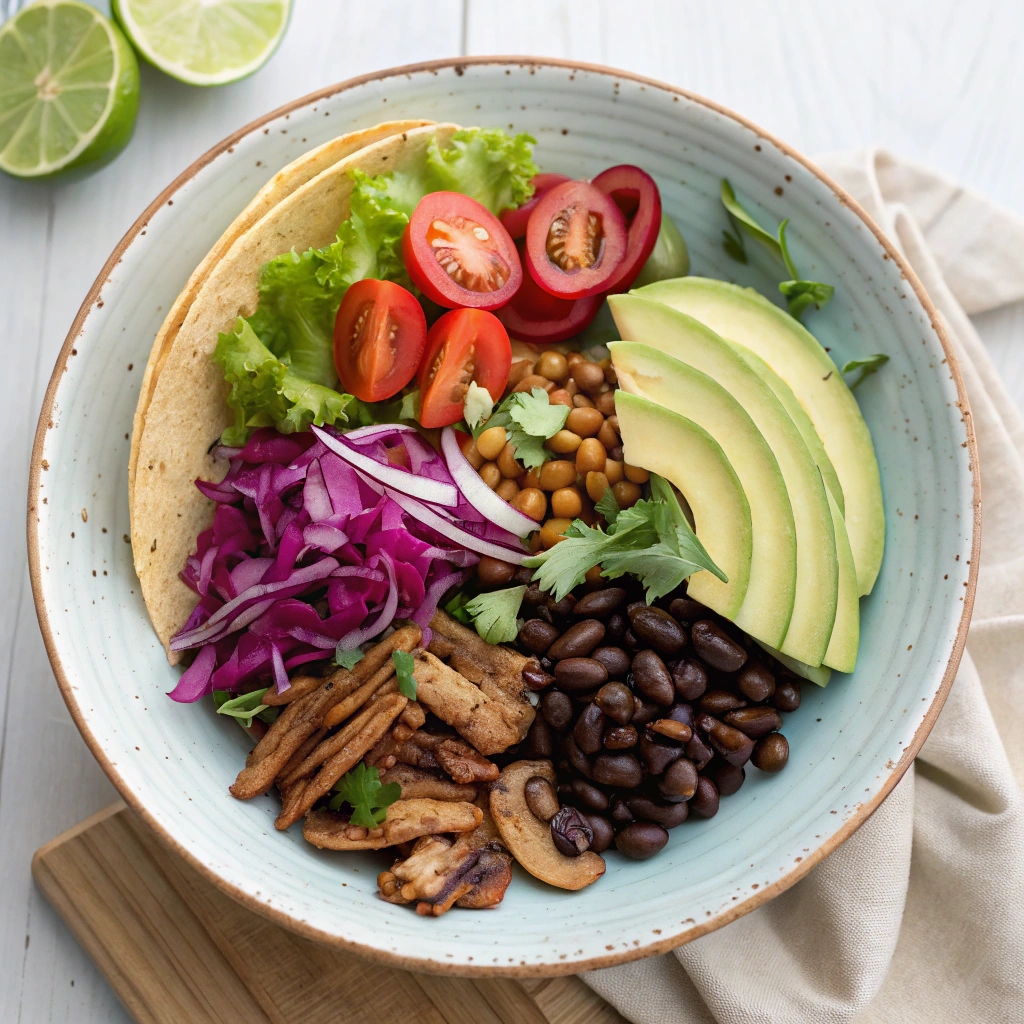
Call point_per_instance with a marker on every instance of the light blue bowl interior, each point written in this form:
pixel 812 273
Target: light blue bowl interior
pixel 176 762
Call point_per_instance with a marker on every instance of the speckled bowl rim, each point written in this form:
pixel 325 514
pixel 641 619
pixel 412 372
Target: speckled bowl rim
pixel 664 943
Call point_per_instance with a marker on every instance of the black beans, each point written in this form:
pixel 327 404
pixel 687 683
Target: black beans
pixel 671 729
pixel 537 635
pixel 631 641
pixel 680 780
pixel 620 770
pixel 733 746
pixel 561 609
pixel 617 625
pixel 589 795
pixel 755 722
pixel 589 729
pixel 728 778
pixel 645 712
pixel 652 679
pixel 604 834
pixel 616 701
pixel 787 695
pixel 641 840
pixel 541 797
pixel 659 629
pixel 658 756
pixel 718 702
pixel 771 752
pixel 716 647
pixel 557 708
pixel 755 681
pixel 698 751
pixel 690 678
pixel 620 737
pixel 578 640
pixel 540 743
pixel 579 761
pixel 615 659
pixel 681 713
pixel 600 603
pixel 666 815
pixel 535 677
pixel 571 833
pixel 685 609
pixel 704 802
pixel 621 814
pixel 579 674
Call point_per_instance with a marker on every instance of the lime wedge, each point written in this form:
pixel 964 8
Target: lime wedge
pixel 69 89
pixel 204 42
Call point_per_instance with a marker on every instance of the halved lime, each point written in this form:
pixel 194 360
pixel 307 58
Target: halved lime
pixel 204 42
pixel 69 89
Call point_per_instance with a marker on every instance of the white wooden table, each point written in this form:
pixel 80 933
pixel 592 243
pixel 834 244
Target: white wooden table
pixel 938 81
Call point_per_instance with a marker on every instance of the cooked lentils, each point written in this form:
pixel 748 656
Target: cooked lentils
pixel 650 714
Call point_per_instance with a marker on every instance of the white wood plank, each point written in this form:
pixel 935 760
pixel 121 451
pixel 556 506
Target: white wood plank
pixel 937 81
pixel 53 241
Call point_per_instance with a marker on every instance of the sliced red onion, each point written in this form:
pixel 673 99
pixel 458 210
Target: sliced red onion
pixel 454 533
pixel 478 494
pixel 373 430
pixel 359 636
pixel 434 491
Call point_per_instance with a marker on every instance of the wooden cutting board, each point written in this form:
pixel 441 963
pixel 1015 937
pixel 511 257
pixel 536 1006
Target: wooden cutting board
pixel 179 951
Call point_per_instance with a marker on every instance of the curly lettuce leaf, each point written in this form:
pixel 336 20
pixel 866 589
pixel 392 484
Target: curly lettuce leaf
pixel 265 392
pixel 485 164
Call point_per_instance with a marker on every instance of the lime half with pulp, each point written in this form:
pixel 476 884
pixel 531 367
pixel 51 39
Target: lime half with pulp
pixel 69 89
pixel 204 42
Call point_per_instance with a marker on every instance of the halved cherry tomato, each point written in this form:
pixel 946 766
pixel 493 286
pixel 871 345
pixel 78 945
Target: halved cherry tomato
pixel 575 240
pixel 536 316
pixel 636 194
pixel 458 254
pixel 379 336
pixel 463 346
pixel 515 221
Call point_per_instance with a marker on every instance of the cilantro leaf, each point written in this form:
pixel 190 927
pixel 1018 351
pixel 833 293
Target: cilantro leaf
pixel 535 415
pixel 607 506
pixel 244 707
pixel 530 451
pixel 867 366
pixel 348 659
pixel 362 790
pixel 651 540
pixel 799 293
pixel 404 665
pixel 494 614
pixel 456 607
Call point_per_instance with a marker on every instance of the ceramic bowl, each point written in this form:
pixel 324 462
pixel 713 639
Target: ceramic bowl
pixel 850 742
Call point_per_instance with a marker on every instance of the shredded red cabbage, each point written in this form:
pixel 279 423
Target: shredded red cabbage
pixel 308 553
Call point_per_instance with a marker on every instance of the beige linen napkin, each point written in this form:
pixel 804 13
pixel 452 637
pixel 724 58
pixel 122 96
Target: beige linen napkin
pixel 920 915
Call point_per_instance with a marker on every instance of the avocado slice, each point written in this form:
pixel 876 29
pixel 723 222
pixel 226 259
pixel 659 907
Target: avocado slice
pixel 680 388
pixel 745 317
pixel 842 647
pixel 689 457
pixel 784 393
pixel 817 566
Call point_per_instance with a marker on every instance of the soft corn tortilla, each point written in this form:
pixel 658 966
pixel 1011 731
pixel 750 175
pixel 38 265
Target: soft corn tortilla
pixel 281 185
pixel 187 410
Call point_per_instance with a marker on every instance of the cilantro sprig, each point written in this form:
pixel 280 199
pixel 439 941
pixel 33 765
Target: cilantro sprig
pixel 799 293
pixel 651 540
pixel 867 366
pixel 404 665
pixel 244 707
pixel 495 613
pixel 368 797
pixel 529 420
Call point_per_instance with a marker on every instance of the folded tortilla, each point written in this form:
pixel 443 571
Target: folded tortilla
pixel 184 412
